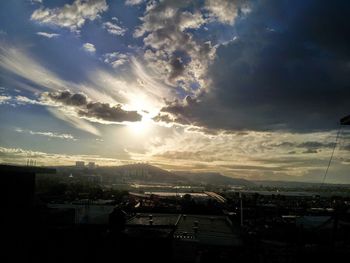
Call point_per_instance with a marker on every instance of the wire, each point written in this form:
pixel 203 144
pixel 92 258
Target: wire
pixel 330 160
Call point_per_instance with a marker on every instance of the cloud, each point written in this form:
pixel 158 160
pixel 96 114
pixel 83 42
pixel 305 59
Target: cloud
pixel 264 154
pixel 20 156
pixel 139 91
pixel 115 59
pixel 226 11
pixel 72 16
pixel 345 147
pixel 67 98
pixel 75 122
pixel 171 50
pixel 4 99
pixel 307 146
pixel 19 63
pixel 315 145
pixel 19 100
pixel 133 2
pixel 65 136
pixel 88 47
pixel 310 151
pixel 48 35
pixel 182 112
pixel 114 28
pixel 280 79
pixel 93 111
pixel 22 100
pixel 106 112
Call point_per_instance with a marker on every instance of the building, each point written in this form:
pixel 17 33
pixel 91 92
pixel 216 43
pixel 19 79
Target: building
pixel 19 184
pixel 148 237
pixel 80 164
pixel 186 238
pixel 205 238
pixel 19 217
pixel 92 178
pixel 91 165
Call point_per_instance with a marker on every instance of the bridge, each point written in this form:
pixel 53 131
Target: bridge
pixel 216 196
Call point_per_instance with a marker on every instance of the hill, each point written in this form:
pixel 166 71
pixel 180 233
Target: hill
pixel 147 173
pixel 212 178
pixel 140 172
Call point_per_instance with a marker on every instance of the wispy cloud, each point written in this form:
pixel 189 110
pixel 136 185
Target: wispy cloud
pixel 48 35
pixel 25 100
pixel 90 48
pixel 100 87
pixel 20 156
pixel 113 28
pixel 264 154
pixel 65 136
pixel 226 11
pixel 115 59
pixel 133 2
pixel 4 99
pixel 75 122
pixel 72 16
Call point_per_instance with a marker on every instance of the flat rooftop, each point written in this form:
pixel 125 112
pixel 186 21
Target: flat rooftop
pixel 143 219
pixel 207 230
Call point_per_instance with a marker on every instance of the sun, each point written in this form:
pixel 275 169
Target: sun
pixel 139 127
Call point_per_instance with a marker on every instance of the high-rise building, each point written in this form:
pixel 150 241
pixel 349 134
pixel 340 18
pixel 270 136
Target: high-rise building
pixel 80 164
pixel 91 165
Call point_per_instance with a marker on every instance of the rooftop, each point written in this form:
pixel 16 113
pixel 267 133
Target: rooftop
pixel 206 229
pixel 154 220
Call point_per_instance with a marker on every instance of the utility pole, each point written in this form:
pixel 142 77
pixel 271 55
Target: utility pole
pixel 241 200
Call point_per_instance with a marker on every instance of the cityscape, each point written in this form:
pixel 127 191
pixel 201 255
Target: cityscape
pixel 175 131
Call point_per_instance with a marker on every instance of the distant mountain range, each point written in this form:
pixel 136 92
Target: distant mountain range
pixel 141 172
pixel 212 178
pixel 147 173
pixel 151 174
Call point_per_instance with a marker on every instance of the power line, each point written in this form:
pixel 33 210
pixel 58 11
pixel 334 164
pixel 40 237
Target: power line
pixel 330 160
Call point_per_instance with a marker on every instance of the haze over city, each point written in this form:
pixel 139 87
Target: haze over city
pixel 248 89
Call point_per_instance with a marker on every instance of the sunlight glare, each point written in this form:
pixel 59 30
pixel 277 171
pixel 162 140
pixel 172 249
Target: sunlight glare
pixel 140 127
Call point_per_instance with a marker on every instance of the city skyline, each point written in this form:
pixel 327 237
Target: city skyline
pixel 249 89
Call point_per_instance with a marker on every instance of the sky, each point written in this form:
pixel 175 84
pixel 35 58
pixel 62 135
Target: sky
pixel 251 89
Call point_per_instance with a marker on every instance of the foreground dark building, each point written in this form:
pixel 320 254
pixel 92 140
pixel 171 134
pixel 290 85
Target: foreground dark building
pixel 276 228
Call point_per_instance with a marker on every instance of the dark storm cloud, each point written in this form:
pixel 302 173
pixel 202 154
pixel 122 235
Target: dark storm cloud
pixel 288 69
pixel 106 112
pixel 345 147
pixel 177 68
pixel 163 118
pixel 310 151
pixel 315 145
pixel 90 109
pixel 308 146
pixel 68 98
pixel 181 111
